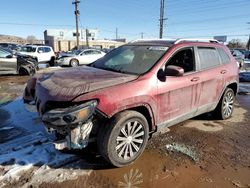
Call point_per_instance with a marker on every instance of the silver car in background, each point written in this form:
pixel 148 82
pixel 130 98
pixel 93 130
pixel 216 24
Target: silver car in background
pixel 81 57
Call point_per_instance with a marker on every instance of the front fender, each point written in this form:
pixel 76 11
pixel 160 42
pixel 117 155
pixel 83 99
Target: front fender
pixel 110 106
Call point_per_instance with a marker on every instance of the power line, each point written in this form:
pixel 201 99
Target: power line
pixel 192 10
pixel 211 19
pixel 33 24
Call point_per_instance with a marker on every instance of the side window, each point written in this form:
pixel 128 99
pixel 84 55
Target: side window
pixel 224 57
pixel 95 52
pixel 46 49
pixel 209 57
pixel 40 49
pixel 88 52
pixel 185 59
pixel 3 54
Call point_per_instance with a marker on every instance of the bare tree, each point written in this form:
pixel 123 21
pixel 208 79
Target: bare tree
pixel 31 39
pixel 236 43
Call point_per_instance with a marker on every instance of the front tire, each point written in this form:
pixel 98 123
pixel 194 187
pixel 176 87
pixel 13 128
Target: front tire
pixel 225 108
pixel 124 139
pixel 23 71
pixel 74 63
pixel 52 62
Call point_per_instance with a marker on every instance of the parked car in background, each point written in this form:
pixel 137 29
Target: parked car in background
pixel 239 57
pixel 137 89
pixel 80 57
pixel 43 54
pixel 247 54
pixel 22 65
pixel 107 50
pixel 10 47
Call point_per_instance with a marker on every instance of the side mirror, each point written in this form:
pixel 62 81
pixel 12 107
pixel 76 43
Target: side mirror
pixel 173 70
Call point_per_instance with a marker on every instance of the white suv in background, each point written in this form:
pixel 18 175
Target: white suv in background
pixel 42 54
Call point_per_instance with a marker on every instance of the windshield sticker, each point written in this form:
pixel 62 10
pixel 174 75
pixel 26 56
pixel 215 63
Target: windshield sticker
pixel 158 48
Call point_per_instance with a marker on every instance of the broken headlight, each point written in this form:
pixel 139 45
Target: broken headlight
pixel 70 115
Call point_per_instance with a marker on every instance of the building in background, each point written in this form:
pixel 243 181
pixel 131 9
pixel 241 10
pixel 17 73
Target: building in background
pixel 17 40
pixel 65 39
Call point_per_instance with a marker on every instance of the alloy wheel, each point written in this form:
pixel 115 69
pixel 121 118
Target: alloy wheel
pixel 130 140
pixel 227 106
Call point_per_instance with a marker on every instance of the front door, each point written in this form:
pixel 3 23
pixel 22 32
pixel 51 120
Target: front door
pixel 178 96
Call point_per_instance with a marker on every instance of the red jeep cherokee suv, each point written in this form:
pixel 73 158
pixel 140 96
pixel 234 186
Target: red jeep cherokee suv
pixel 134 91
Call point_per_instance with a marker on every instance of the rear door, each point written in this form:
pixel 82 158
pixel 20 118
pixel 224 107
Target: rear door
pixel 44 54
pixel 210 72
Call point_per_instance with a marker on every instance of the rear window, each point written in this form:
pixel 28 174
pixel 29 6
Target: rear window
pixel 209 57
pixel 46 49
pixel 28 49
pixel 224 57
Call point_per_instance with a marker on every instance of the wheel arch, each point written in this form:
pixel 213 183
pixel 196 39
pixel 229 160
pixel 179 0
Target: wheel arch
pixel 233 86
pixel 144 109
pixel 24 70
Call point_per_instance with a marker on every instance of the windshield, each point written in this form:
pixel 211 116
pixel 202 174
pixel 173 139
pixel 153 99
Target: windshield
pixel 131 59
pixel 27 49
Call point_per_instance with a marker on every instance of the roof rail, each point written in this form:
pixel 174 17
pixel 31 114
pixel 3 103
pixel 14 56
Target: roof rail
pixel 145 40
pixel 195 40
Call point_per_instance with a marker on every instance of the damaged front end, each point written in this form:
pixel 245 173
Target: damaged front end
pixel 73 125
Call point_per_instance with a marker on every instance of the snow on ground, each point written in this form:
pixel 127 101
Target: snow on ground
pixel 26 148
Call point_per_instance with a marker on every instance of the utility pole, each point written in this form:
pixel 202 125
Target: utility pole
pixel 87 37
pixel 77 13
pixel 162 19
pixel 142 35
pixel 248 43
pixel 116 33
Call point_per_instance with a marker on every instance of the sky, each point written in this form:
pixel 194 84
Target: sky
pixel 185 18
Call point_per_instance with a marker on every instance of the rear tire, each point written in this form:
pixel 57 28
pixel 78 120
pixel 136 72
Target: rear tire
pixel 74 63
pixel 124 138
pixel 224 109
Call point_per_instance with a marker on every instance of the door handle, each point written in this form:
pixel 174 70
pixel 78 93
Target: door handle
pixel 195 79
pixel 223 71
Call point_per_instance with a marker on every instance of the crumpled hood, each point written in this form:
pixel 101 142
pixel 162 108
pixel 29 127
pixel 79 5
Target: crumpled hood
pixel 69 83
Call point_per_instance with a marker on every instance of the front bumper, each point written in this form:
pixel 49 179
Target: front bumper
pixel 62 61
pixel 76 138
pixel 74 134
